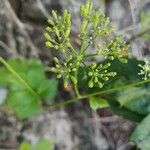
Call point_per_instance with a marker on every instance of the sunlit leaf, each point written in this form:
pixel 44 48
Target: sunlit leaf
pixel 96 103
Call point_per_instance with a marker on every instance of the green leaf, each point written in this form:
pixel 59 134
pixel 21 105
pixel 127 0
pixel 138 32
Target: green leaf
pixel 4 76
pixel 123 111
pixel 34 77
pixel 43 145
pixel 47 89
pixel 96 103
pixel 25 146
pixel 27 85
pixel 141 134
pixel 23 103
pixel 135 99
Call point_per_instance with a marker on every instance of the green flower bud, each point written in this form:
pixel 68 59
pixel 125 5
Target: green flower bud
pixel 49 44
pixel 112 74
pixel 49 29
pixel 50 22
pixel 47 36
pixel 53 69
pixel 106 65
pixel 70 64
pixel 74 69
pixel 56 47
pixel 57 31
pixel 90 73
pixel 83 26
pixel 57 66
pixel 56 60
pixel 93 65
pixel 111 57
pixel 54 14
pixel 105 78
pixel 67 32
pixel 123 60
pixel 74 80
pixel 59 76
pixel 91 84
pixel 100 84
pixel 95 19
pixel 96 79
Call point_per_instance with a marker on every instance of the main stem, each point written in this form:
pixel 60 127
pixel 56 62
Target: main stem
pixel 84 97
pixel 76 85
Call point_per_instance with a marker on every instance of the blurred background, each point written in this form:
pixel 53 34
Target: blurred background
pixel 76 126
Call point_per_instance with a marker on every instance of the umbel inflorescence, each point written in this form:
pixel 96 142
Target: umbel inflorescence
pixel 145 70
pixel 94 25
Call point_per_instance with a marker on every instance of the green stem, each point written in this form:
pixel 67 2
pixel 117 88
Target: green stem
pixel 73 50
pixel 84 97
pixel 76 86
pixel 90 43
pixel 17 76
pixel 77 91
pixel 90 55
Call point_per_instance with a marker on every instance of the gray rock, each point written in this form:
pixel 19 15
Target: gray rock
pixel 36 9
pixel 3 94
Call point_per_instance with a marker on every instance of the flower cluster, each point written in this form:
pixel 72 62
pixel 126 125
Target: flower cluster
pixel 145 70
pixel 98 74
pixel 57 33
pixel 115 48
pixel 94 25
pixel 65 70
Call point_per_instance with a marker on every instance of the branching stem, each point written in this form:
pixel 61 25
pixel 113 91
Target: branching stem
pixel 84 97
pixel 90 55
pixel 76 85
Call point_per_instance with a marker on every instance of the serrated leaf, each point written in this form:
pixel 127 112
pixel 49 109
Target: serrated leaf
pixel 47 89
pixel 135 99
pixel 4 76
pixel 34 77
pixel 125 112
pixel 23 103
pixel 141 134
pixel 96 103
pixel 24 79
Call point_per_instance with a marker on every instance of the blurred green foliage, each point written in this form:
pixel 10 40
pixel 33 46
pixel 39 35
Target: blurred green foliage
pixel 96 103
pixel 26 92
pixel 42 144
pixel 132 103
pixel 141 134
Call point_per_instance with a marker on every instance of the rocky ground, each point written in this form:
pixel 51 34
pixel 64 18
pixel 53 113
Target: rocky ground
pixel 73 127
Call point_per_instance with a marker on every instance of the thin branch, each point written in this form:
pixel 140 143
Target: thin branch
pixel 132 6
pixel 107 7
pixel 84 97
pixel 43 9
pixel 21 26
pixel 91 54
pixel 137 36
pixel 127 29
pixel 7 49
